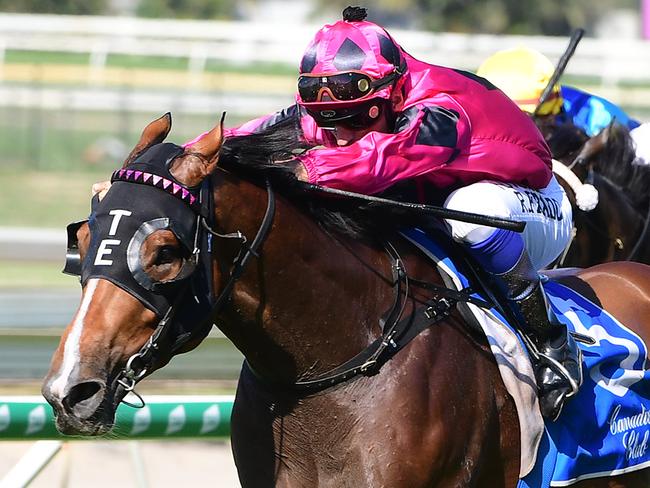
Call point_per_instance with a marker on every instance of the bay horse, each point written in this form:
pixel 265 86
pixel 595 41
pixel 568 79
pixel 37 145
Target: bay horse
pixel 617 228
pixel 326 397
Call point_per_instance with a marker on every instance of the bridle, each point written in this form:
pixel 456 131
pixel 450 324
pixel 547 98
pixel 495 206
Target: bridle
pixel 190 293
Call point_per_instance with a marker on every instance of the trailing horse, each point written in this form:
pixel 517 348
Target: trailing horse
pixel 617 228
pixel 359 370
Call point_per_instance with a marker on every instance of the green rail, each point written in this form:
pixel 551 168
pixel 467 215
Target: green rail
pixel 173 417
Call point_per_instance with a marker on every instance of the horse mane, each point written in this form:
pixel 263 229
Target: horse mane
pixel 271 155
pixel 616 164
pixel 565 141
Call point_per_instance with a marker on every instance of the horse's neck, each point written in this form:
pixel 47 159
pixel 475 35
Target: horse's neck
pixel 310 301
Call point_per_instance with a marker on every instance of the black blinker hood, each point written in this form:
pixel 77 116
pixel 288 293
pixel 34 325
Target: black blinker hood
pixel 145 197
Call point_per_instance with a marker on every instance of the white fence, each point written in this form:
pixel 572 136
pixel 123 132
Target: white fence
pixel 617 69
pixel 613 60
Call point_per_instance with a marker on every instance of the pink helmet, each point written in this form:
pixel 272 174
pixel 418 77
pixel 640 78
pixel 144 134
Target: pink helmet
pixel 346 65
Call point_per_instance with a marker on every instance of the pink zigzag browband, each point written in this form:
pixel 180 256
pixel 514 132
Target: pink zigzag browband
pixel 165 184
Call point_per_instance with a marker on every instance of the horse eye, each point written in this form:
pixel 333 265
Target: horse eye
pixel 167 255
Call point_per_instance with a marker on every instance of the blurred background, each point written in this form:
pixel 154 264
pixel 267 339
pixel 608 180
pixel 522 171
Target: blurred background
pixel 79 79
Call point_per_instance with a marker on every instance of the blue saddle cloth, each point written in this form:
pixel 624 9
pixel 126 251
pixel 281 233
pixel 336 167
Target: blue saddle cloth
pixel 605 429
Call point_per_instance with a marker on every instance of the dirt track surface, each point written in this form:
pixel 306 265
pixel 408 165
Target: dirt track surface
pixel 104 464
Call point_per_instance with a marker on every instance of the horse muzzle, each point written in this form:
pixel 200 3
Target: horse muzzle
pixel 81 408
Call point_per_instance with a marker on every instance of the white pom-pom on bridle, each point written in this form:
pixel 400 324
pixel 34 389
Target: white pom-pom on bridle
pixel 586 194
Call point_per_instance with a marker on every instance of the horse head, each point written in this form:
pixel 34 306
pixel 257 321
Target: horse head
pixel 137 261
pixel 609 224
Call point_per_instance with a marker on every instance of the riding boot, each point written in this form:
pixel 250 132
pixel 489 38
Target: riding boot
pixel 557 360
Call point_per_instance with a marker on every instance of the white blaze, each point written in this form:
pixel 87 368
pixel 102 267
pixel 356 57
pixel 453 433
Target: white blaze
pixel 71 347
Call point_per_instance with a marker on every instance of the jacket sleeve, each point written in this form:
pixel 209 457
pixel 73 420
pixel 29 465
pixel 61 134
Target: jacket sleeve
pixel 425 137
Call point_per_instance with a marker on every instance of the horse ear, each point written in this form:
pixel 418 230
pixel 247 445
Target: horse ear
pixel 208 146
pixel 199 159
pixel 154 133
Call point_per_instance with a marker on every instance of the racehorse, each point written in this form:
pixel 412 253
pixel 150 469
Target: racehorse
pixel 617 228
pixel 357 372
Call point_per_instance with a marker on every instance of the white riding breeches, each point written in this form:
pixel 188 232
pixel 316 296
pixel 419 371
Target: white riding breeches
pixel 547 213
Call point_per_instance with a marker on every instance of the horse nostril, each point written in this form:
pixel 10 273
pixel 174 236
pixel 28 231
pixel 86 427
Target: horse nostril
pixel 83 399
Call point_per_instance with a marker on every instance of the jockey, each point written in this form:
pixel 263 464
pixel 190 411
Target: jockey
pixel 378 116
pixel 523 74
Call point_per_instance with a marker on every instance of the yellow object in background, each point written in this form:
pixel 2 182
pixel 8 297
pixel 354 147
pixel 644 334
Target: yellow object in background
pixel 522 74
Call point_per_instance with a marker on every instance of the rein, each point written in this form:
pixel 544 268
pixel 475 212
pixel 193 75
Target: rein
pixel 644 232
pixel 240 261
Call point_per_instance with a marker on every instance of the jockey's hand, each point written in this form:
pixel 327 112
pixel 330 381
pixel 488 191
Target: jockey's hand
pixel 301 172
pixel 101 188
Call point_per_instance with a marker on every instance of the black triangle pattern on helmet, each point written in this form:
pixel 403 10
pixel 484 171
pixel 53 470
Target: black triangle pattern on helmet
pixel 389 50
pixel 309 59
pixel 349 56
